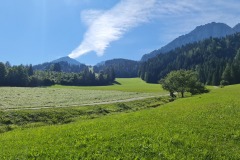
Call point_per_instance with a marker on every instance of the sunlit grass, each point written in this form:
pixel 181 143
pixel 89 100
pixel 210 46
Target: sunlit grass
pixel 123 84
pixel 200 127
pixel 20 98
pixel 68 96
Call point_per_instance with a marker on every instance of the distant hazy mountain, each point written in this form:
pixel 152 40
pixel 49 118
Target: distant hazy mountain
pixel 202 32
pixel 67 65
pixel 68 60
pixel 237 28
pixel 100 64
pixel 123 68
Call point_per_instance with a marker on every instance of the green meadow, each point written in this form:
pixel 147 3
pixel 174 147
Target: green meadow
pixel 67 96
pixel 123 84
pixel 199 127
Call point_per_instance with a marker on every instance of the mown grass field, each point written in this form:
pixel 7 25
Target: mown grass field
pixel 20 98
pixel 65 96
pixel 200 127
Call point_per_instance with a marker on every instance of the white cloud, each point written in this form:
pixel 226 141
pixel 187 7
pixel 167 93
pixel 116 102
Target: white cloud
pixel 89 16
pixel 112 24
pixel 180 17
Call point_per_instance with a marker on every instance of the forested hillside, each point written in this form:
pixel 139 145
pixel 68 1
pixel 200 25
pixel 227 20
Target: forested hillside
pixel 123 68
pixel 65 64
pixel 214 59
pixel 24 76
pixel 215 30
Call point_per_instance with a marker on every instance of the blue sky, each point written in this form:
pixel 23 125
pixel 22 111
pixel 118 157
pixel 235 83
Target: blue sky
pixel 37 31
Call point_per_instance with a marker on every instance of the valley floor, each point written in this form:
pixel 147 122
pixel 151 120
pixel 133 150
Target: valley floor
pixel 199 127
pixel 67 96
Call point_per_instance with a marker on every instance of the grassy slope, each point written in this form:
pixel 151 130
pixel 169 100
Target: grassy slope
pixel 124 84
pixel 27 118
pixel 200 127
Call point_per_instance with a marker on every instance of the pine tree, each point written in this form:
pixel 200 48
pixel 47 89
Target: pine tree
pixel 30 70
pixel 226 76
pixel 3 73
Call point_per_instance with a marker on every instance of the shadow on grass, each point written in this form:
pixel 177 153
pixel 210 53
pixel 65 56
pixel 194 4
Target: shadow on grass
pixel 115 82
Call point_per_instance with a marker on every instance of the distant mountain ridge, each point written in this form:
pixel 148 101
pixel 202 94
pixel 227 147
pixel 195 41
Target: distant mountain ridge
pixel 129 68
pixel 215 30
pixel 214 59
pixel 68 60
pixel 237 28
pixel 67 64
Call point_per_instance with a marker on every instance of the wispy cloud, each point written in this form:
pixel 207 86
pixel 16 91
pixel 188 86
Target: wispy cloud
pixel 90 16
pixel 179 17
pixel 112 24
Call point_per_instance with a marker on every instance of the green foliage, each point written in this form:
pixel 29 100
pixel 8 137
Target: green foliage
pixel 30 70
pixel 61 66
pixel 3 73
pixel 17 76
pixel 231 73
pixel 123 68
pixel 226 76
pixel 199 127
pixel 182 81
pixel 56 67
pixel 224 83
pixel 214 59
pixel 24 76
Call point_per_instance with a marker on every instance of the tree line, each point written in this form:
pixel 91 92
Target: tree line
pixel 123 68
pixel 216 60
pixel 63 66
pixel 25 76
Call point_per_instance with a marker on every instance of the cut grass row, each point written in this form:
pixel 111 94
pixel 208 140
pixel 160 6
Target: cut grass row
pixel 24 98
pixel 67 96
pixel 200 127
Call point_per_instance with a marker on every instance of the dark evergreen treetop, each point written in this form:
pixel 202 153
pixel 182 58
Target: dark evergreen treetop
pixel 24 76
pixel 123 68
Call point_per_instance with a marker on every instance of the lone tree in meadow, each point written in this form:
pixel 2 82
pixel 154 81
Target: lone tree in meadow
pixel 182 81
